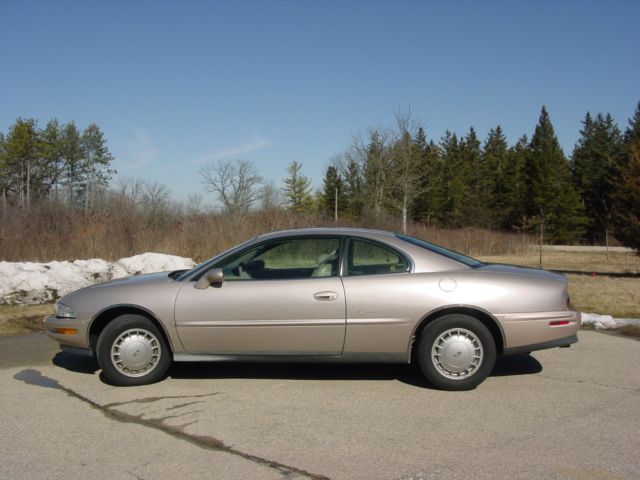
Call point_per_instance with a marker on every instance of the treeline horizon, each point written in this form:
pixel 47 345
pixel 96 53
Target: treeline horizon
pixel 530 186
pixel 393 176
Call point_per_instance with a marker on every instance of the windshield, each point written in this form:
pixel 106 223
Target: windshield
pixel 458 257
pixel 207 263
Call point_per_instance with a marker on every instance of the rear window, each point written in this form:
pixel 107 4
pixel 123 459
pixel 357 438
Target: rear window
pixel 458 257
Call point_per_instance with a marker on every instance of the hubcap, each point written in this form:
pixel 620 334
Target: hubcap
pixel 457 353
pixel 135 352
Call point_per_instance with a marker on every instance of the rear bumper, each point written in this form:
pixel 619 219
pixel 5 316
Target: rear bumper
pixel 536 331
pixel 561 342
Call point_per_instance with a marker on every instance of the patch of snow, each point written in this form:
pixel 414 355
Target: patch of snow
pixel 34 283
pixel 607 322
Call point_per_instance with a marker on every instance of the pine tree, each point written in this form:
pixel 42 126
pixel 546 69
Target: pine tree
pixel 632 134
pixel 495 188
pixel 50 150
pixel 95 167
pixel 472 173
pixel 425 204
pixel 72 156
pixel 297 189
pixel 551 197
pixel 594 165
pixel 354 190
pixel 333 193
pixel 453 192
pixel 22 156
pixel 515 216
pixel 627 196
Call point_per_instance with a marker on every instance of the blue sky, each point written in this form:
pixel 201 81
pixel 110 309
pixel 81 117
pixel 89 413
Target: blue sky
pixel 176 85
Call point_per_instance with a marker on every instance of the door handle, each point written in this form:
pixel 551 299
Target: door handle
pixel 325 296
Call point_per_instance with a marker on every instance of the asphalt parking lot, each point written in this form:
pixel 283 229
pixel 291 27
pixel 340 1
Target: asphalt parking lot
pixel 563 413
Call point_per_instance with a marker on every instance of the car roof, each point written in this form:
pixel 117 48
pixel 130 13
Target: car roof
pixel 365 232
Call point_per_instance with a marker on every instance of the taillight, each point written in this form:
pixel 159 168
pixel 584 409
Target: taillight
pixel 557 323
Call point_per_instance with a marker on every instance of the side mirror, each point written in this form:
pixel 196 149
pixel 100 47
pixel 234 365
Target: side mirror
pixel 214 277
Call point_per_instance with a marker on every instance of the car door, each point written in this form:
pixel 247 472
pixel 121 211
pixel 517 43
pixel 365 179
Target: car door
pixel 280 297
pixel 381 298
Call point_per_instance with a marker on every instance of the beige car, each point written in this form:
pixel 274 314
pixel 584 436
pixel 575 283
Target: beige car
pixel 330 294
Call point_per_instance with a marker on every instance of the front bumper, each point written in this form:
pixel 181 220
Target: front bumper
pixel 71 332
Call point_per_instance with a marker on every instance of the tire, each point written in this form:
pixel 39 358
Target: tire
pixel 132 351
pixel 456 352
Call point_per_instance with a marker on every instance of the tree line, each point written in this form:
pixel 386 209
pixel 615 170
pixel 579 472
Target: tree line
pixel 530 186
pixel 395 172
pixel 461 181
pixel 56 163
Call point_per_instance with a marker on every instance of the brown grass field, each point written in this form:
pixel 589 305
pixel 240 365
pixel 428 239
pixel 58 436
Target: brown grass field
pixel 616 262
pixel 22 319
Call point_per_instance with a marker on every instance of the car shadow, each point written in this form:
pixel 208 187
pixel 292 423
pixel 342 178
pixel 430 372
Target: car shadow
pixel 75 363
pixel 408 374
pixel 516 365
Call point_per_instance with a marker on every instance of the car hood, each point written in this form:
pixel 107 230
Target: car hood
pixel 144 279
pixel 525 271
pixel 152 291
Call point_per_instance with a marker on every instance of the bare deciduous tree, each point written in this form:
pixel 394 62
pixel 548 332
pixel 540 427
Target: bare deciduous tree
pixel 270 197
pixel 236 184
pixel 193 204
pixel 405 166
pixel 130 189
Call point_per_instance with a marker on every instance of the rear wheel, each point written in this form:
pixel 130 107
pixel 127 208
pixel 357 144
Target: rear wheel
pixel 456 352
pixel 132 351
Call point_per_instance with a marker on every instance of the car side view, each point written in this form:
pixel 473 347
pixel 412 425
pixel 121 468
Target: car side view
pixel 321 294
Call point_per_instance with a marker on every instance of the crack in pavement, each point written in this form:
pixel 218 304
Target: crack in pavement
pixel 154 399
pixel 34 377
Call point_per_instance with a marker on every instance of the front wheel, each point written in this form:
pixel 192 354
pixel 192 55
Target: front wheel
pixel 456 352
pixel 132 351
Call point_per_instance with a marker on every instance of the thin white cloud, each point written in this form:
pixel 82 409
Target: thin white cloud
pixel 138 150
pixel 255 142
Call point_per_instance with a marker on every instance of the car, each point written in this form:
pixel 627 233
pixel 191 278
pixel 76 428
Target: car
pixel 325 295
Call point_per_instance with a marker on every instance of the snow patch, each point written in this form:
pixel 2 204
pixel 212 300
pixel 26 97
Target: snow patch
pixel 34 283
pixel 607 322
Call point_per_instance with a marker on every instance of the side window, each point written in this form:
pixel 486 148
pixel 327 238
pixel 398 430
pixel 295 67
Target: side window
pixel 284 260
pixel 368 258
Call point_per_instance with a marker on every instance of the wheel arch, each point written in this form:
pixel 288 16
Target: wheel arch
pixel 480 314
pixel 112 312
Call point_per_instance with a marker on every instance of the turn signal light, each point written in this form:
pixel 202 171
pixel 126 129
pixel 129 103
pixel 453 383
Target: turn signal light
pixel 556 323
pixel 65 331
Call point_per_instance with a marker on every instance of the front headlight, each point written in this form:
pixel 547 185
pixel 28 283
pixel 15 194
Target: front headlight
pixel 62 311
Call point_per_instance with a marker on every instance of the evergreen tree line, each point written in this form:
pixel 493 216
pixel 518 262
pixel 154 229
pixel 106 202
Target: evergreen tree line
pixel 530 186
pixel 57 163
pixel 460 181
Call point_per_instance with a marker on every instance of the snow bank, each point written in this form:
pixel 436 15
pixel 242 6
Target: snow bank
pixel 33 283
pixel 607 322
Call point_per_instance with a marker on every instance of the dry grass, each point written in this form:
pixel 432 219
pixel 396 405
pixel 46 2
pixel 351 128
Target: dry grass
pixel 22 319
pixel 120 229
pixel 619 297
pixel 620 262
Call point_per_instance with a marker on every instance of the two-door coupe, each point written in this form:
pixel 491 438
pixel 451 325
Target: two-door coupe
pixel 321 294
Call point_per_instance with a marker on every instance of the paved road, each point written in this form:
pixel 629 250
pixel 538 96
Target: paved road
pixel 563 413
